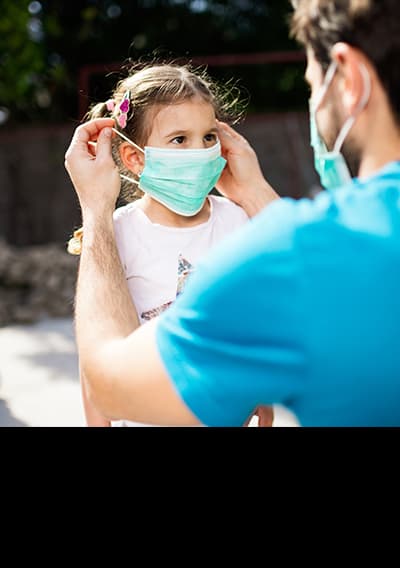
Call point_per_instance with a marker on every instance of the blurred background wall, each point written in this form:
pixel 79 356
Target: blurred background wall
pixel 37 201
pixel 58 57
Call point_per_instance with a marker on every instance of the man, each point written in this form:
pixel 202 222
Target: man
pixel 301 307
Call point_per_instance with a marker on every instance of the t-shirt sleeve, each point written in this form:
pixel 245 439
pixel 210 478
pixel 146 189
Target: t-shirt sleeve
pixel 232 341
pixel 230 214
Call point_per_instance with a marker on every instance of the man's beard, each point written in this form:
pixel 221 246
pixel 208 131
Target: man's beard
pixel 351 152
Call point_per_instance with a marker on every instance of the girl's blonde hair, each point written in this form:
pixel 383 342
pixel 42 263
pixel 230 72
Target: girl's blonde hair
pixel 149 88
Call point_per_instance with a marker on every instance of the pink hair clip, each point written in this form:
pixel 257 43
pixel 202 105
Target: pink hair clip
pixel 110 104
pixel 123 110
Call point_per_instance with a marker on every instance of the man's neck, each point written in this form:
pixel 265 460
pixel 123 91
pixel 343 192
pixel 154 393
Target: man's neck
pixel 382 147
pixel 373 164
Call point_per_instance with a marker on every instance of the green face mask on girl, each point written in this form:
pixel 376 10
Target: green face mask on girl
pixel 179 179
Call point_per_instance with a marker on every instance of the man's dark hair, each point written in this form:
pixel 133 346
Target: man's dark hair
pixel 372 26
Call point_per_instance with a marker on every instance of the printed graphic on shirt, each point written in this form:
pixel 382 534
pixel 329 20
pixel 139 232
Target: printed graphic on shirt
pixel 184 269
pixel 150 314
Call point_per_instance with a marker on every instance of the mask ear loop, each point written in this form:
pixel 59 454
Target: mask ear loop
pixel 127 140
pixel 122 136
pixel 127 178
pixel 362 104
pixel 325 85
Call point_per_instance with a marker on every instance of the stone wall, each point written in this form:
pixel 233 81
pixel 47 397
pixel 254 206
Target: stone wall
pixel 36 281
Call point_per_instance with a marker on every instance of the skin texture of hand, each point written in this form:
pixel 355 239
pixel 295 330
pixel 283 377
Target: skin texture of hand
pixel 242 180
pixel 94 174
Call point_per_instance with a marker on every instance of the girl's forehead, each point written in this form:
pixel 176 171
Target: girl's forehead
pixel 194 110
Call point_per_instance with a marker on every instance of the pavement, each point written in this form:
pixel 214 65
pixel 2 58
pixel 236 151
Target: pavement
pixel 39 379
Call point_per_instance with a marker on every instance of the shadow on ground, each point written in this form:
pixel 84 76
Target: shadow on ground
pixel 7 418
pixel 56 365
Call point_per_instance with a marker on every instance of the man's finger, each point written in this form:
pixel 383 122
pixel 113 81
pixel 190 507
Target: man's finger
pixel 103 146
pixel 231 141
pixel 89 132
pixel 92 148
pixel 84 134
pixel 227 132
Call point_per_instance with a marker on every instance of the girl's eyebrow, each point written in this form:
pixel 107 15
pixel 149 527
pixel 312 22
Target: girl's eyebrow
pixel 183 132
pixel 176 133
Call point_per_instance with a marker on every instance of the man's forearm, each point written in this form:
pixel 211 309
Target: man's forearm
pixel 125 375
pixel 93 417
pixel 104 310
pixel 254 202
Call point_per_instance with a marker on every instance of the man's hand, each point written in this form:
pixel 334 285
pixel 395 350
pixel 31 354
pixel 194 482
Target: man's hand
pixel 242 180
pixel 93 173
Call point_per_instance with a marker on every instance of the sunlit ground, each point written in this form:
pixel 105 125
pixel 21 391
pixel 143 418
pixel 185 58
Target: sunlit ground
pixel 39 375
pixel 39 383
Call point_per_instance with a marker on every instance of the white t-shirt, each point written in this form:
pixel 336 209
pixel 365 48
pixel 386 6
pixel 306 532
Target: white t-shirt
pixel 157 259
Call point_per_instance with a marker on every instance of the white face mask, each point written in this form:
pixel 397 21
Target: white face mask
pixel 179 179
pixel 331 166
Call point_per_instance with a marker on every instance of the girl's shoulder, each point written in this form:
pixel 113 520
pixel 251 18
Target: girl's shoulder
pixel 226 208
pixel 125 212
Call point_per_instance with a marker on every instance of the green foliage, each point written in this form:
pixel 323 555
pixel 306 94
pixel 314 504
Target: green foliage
pixel 21 60
pixel 39 70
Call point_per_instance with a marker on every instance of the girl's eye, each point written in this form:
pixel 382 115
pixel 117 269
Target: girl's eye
pixel 178 140
pixel 210 137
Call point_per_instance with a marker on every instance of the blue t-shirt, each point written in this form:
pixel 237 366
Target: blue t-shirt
pixel 301 307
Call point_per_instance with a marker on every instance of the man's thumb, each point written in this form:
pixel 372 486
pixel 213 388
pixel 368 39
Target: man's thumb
pixel 103 148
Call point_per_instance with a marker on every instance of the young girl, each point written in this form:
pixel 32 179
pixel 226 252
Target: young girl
pixel 167 149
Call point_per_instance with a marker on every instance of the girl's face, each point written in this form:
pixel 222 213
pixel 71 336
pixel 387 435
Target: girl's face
pixel 188 125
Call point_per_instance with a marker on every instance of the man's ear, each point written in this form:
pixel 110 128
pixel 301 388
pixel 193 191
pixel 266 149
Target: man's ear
pixel 132 159
pixel 352 79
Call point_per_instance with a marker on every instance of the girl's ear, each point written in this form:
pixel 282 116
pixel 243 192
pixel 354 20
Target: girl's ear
pixel 132 159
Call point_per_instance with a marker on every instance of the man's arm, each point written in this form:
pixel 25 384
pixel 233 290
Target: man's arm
pixel 92 415
pixel 124 374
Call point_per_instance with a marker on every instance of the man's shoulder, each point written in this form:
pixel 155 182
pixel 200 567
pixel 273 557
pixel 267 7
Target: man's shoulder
pixel 285 226
pixel 288 216
pixel 299 211
pixel 282 218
